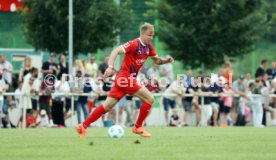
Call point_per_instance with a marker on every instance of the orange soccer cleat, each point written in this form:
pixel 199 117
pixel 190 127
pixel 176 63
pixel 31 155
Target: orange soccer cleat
pixel 80 130
pixel 141 132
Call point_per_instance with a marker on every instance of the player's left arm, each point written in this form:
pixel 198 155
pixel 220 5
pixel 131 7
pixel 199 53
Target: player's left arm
pixel 160 61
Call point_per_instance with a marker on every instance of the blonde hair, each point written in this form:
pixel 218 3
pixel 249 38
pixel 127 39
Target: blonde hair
pixel 227 63
pixel 25 65
pixel 146 26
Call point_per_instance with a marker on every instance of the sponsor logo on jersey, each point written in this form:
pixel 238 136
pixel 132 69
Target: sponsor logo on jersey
pixel 140 61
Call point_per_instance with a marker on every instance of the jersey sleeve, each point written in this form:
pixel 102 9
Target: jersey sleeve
pixel 128 47
pixel 152 51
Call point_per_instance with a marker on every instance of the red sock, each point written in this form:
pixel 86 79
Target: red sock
pixel 144 110
pixel 96 114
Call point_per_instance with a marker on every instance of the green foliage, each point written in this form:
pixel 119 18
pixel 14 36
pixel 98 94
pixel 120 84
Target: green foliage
pixel 95 24
pixel 270 36
pixel 206 32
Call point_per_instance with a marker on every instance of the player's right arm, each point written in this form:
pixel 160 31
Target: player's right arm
pixel 112 58
pixel 122 49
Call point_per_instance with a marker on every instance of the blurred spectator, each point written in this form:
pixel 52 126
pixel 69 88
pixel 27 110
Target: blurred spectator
pixel 78 67
pixel 271 71
pixel 7 75
pixel 190 102
pixel 92 67
pixel 177 87
pixel 206 108
pixel 201 74
pixel 153 72
pixel 3 89
pixel 266 81
pixel 50 67
pixel 27 91
pixel 239 87
pixel 227 72
pixel 103 66
pixel 174 119
pixel 91 98
pixel 86 70
pixel 237 110
pixel 33 73
pixel 26 68
pixel 226 104
pixel 188 78
pixel 256 103
pixel 166 71
pixel 82 101
pixel 62 66
pixel 273 91
pixel 81 85
pixel 35 87
pixel 216 88
pixel 261 70
pixel 265 102
pixel 7 70
pixel 129 109
pixel 42 119
pixel 26 98
pixel 102 94
pixel 18 103
pixel 61 86
pixel 31 120
pixel 122 107
pixel 248 80
pixel 45 101
pixel 153 85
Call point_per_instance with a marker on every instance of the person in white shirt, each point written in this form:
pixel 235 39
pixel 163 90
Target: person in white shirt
pixel 177 87
pixel 153 72
pixel 7 69
pixel 42 120
pixel 265 101
pixel 256 103
pixel 18 103
pixel 26 91
pixel 166 71
pixel 35 87
pixel 61 86
pixel 3 88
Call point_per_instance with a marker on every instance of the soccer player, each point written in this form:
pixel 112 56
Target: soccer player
pixel 135 53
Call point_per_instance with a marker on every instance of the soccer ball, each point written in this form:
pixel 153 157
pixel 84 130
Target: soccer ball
pixel 116 131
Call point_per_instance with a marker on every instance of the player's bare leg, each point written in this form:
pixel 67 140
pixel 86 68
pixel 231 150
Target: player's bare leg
pixel 108 104
pixel 147 100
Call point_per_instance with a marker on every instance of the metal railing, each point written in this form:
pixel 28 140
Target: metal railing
pixel 93 94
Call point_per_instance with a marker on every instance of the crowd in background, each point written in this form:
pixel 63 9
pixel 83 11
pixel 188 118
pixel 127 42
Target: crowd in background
pixel 236 103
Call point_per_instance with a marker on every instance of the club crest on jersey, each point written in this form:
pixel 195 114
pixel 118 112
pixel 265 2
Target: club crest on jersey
pixel 143 50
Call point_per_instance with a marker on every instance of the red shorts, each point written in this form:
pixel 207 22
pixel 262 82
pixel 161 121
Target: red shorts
pixel 123 85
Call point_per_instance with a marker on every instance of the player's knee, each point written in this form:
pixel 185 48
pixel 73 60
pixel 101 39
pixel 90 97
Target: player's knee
pixel 150 99
pixel 108 106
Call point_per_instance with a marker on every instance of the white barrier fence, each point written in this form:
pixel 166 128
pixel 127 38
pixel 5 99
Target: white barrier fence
pixel 157 118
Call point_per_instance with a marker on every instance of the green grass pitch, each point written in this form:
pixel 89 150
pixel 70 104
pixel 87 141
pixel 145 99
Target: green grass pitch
pixel 166 144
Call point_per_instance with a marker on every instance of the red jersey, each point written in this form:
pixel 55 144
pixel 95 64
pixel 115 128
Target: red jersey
pixel 136 53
